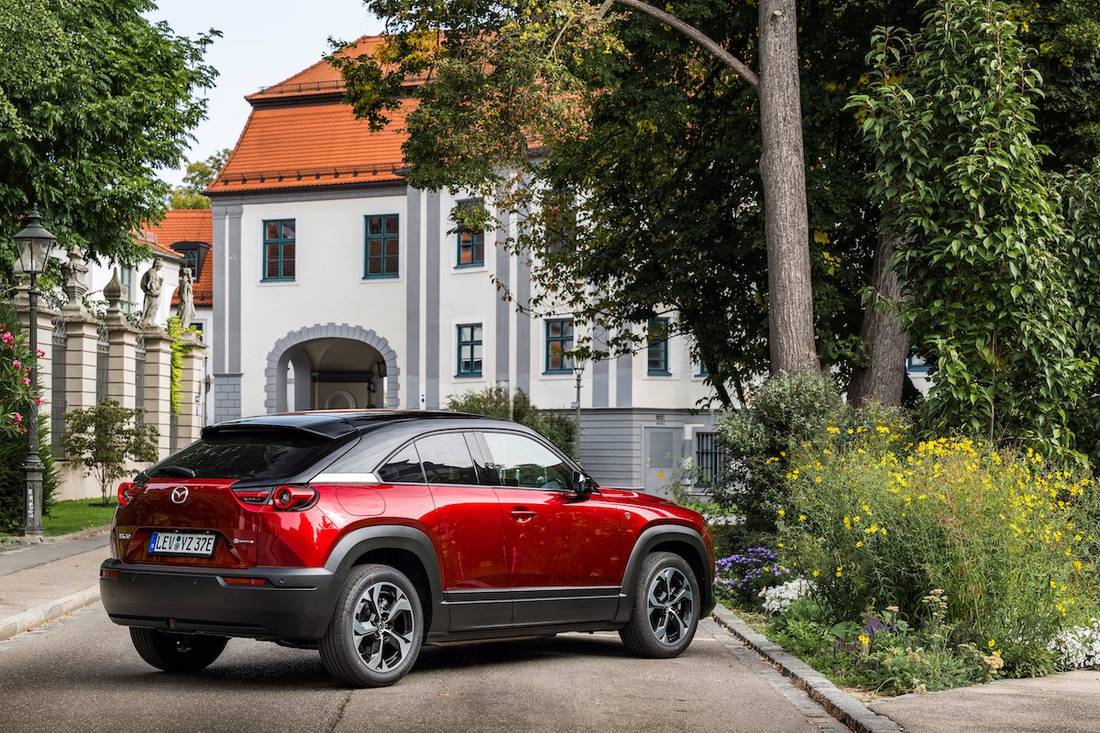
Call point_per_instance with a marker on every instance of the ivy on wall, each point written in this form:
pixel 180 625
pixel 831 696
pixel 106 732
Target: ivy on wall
pixel 180 347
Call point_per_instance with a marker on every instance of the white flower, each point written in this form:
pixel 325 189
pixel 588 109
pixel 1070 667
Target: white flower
pixel 1078 648
pixel 778 597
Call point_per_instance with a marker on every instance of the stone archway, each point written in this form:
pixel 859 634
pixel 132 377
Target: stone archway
pixel 279 357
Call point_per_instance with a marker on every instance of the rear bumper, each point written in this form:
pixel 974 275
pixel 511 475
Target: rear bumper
pixel 296 603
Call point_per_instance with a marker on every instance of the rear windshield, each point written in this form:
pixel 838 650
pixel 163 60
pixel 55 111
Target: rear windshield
pixel 251 454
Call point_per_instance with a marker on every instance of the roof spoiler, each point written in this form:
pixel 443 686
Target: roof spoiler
pixel 333 430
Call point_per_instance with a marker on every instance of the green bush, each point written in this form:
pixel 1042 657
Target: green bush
pixel 13 451
pixel 787 414
pixel 875 521
pixel 886 653
pixel 556 427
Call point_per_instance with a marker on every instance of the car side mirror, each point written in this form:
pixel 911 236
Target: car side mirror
pixel 582 484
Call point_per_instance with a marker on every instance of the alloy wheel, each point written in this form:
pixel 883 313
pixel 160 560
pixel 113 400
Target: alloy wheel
pixel 383 627
pixel 670 605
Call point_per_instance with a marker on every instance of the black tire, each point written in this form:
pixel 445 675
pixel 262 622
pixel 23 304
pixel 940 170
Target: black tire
pixel 377 657
pixel 177 652
pixel 639 635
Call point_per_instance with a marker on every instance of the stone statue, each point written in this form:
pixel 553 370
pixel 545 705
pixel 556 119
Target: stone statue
pixel 186 305
pixel 151 283
pixel 76 281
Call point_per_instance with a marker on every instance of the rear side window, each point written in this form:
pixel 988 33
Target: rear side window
pixel 446 459
pixel 403 468
pixel 248 454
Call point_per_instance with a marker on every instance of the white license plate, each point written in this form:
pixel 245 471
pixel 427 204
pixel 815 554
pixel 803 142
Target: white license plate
pixel 181 543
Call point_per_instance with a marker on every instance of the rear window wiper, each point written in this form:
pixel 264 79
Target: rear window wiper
pixel 170 470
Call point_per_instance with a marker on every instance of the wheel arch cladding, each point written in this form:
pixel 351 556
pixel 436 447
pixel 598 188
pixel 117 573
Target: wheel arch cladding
pixel 408 550
pixel 679 540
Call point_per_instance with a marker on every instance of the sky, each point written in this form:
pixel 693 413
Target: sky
pixel 262 43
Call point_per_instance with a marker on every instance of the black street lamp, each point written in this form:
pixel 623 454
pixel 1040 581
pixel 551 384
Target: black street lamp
pixel 34 243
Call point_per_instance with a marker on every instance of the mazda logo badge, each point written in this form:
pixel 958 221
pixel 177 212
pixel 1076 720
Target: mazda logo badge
pixel 179 494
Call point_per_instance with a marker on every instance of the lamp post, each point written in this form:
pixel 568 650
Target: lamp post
pixel 34 243
pixel 578 372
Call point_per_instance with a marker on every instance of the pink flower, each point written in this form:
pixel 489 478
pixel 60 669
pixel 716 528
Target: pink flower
pixel 17 364
pixel 41 354
pixel 27 381
pixel 18 418
pixel 6 337
pixel 38 401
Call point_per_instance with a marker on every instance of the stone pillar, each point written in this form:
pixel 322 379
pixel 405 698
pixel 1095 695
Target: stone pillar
pixel 158 387
pixel 191 390
pixel 122 352
pixel 82 336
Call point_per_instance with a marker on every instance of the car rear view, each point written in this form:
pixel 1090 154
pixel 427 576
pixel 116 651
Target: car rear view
pixel 201 541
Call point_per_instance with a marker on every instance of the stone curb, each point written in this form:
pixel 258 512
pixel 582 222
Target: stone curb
pixel 842 706
pixel 47 612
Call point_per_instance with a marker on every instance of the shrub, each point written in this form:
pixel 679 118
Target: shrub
pixel 742 576
pixel 13 451
pixel 103 439
pixel 886 653
pixel 785 411
pixel 558 428
pixel 875 522
pixel 1078 648
pixel 787 415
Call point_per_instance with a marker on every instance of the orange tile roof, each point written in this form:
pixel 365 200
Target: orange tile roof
pixel 320 78
pixel 189 225
pixel 301 134
pixel 145 238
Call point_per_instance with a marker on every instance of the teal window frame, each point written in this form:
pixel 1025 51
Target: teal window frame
pixel 280 242
pixel 471 340
pixel 391 266
pixel 476 247
pixel 564 340
pixel 657 348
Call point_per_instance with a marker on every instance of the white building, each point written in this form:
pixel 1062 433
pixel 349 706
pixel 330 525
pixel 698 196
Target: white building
pixel 336 285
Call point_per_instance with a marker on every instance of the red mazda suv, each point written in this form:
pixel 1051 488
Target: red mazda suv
pixel 366 534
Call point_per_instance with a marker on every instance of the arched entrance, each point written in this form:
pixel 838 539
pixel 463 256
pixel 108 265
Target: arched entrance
pixel 331 366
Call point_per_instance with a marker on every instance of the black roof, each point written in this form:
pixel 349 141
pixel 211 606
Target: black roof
pixel 337 423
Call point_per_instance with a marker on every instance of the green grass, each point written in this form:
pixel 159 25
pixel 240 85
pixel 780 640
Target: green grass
pixel 66 517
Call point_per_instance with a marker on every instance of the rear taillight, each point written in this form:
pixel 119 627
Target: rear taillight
pixel 256 497
pixel 127 492
pixel 289 498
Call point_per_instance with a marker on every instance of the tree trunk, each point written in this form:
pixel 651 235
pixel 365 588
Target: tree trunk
pixel 884 341
pixel 782 170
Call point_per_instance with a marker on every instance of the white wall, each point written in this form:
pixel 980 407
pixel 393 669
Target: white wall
pixel 329 288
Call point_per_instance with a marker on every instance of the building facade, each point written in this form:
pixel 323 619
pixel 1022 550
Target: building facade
pixel 336 285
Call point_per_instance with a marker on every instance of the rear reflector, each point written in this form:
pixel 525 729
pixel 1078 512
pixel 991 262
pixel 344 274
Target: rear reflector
pixel 245 581
pixel 105 573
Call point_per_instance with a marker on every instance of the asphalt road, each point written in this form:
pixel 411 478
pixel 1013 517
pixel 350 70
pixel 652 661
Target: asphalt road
pixel 81 674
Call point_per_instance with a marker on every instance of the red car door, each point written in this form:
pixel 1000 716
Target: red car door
pixel 469 534
pixel 565 554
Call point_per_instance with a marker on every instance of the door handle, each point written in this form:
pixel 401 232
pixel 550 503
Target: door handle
pixel 522 514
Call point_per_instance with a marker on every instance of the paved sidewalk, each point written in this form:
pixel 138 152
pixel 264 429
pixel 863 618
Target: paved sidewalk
pixel 39 583
pixel 1061 703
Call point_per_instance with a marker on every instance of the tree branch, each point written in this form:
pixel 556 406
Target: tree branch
pixel 743 71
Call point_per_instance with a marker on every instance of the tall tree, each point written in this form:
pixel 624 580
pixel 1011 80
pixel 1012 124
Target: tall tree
pixel 951 111
pixel 94 99
pixel 471 52
pixel 197 177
